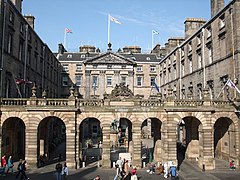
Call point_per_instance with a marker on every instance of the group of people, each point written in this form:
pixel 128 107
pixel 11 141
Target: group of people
pixel 61 171
pixel 7 167
pixel 124 171
pixel 167 169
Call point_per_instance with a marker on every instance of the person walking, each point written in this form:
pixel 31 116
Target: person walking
pixel 173 172
pixel 23 169
pixel 3 161
pixel 10 164
pixel 58 171
pixel 18 168
pixel 97 177
pixel 64 171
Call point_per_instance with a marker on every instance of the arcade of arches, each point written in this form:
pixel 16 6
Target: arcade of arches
pixel 42 135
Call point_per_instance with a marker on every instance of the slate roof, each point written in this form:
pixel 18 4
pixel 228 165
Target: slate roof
pixel 88 57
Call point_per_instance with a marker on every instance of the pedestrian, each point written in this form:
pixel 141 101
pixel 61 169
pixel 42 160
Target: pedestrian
pixel 23 169
pixel 134 174
pixel 97 178
pixel 3 161
pixel 58 168
pixel 125 169
pixel 10 164
pixel 173 172
pixel 232 165
pixel 119 165
pixel 165 170
pixel 64 171
pixel 18 168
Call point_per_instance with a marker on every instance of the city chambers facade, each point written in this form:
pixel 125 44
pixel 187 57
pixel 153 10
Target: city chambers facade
pixel 70 102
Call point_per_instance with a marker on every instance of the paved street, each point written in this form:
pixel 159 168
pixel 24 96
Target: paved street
pixel 187 171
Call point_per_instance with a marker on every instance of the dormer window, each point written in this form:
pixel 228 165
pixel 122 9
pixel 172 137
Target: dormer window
pixel 198 39
pixel 209 32
pixel 133 58
pixel 83 55
pixel 222 21
pixel 109 66
pixel 190 47
pixel 148 58
pixel 69 56
pixel 95 66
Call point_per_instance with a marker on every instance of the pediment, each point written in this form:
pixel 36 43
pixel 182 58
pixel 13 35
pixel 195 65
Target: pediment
pixel 110 58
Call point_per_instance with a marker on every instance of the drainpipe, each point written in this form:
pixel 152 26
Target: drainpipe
pixel 235 80
pixel 25 61
pixel 2 49
pixel 180 73
pixel 203 58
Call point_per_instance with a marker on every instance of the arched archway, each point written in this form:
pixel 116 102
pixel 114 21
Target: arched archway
pixel 224 139
pixel 51 141
pixel 189 140
pixel 90 140
pixel 151 139
pixel 13 138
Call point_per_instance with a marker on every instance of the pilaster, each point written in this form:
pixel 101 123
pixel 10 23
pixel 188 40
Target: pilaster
pixel 106 162
pixel 71 143
pixel 31 142
pixel 206 159
pixel 137 146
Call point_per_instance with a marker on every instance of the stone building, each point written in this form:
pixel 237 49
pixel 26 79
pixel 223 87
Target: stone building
pixel 25 58
pixel 208 56
pixel 95 74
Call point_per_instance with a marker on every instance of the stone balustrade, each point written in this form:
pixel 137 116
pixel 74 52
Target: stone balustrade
pixel 101 102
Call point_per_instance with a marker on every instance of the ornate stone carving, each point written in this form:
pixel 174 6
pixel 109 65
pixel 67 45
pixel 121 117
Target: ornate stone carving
pixel 121 91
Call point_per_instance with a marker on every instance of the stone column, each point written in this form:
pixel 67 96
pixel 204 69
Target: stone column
pixel 31 142
pixel 137 145
pixel 71 155
pixel 106 162
pixel 206 160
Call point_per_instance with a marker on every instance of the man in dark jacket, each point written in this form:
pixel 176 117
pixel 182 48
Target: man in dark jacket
pixel 58 170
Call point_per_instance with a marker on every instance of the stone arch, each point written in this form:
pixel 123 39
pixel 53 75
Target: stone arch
pixel 224 138
pixel 190 144
pixel 51 140
pixel 230 120
pixel 13 138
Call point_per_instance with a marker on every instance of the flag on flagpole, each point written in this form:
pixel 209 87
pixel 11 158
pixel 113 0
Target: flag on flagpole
pixel 68 30
pixel 154 32
pixel 156 86
pixel 113 19
pixel 232 85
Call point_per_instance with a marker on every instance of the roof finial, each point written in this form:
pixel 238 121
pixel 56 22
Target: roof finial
pixel 109 46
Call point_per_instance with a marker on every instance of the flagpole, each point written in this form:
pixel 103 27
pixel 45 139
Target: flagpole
pixel 222 89
pixel 152 40
pixel 65 38
pixel 108 28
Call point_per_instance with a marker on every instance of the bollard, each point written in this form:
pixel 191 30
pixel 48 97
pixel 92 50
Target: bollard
pixel 83 164
pixel 114 166
pixel 144 164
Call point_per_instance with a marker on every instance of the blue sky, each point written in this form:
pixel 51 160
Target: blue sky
pixel 88 21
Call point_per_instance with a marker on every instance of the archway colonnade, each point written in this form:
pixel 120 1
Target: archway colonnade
pixel 206 135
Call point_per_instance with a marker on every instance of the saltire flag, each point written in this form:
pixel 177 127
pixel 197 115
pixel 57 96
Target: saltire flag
pixel 232 85
pixel 154 32
pixel 113 19
pixel 68 30
pixel 21 81
pixel 156 86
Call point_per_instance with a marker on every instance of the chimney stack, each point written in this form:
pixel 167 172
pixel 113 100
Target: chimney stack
pixel 216 6
pixel 30 19
pixel 18 4
pixel 192 25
